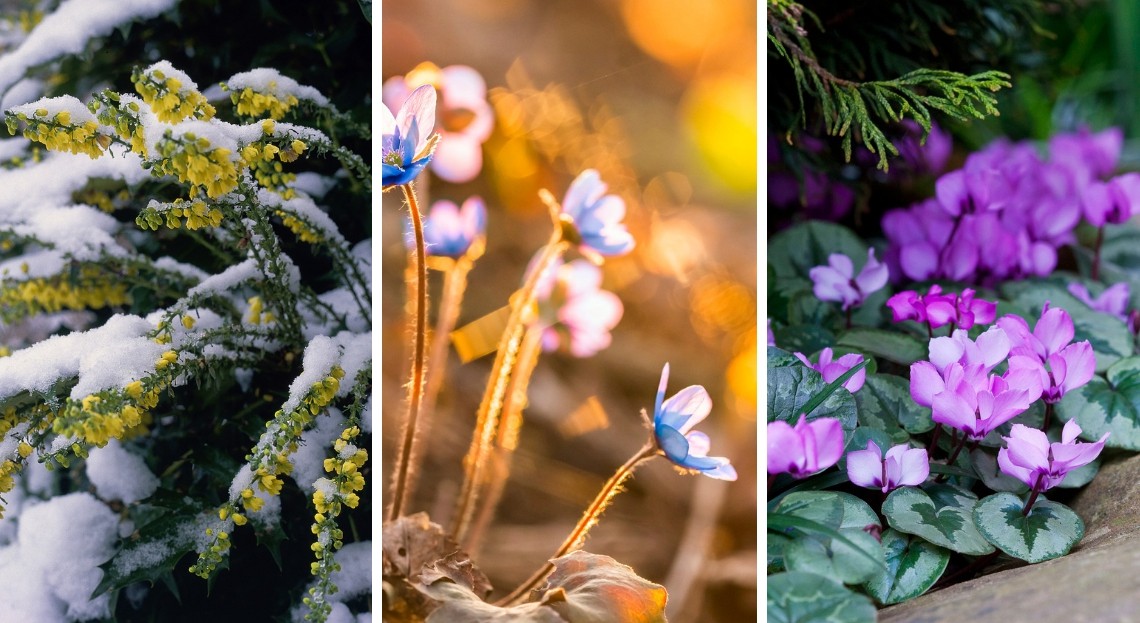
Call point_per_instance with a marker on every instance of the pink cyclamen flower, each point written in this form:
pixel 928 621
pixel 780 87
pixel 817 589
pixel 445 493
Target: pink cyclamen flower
pixel 902 466
pixel 1112 301
pixel 1030 458
pixel 465 117
pixel 449 230
pixel 937 309
pixel 977 408
pixel 807 448
pixel 596 217
pixel 832 370
pixel 975 360
pixel 576 315
pixel 673 422
pixel 1113 202
pixel 837 281
pixel 406 139
pixel 1060 366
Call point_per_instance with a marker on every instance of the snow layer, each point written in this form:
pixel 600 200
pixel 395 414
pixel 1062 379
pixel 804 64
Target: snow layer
pixel 119 475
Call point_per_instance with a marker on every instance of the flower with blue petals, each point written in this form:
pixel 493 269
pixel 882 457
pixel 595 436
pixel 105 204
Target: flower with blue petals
pixel 449 231
pixel 595 217
pixel 673 422
pixel 407 141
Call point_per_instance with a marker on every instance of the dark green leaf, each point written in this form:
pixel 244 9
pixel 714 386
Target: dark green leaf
pixel 1049 531
pixel 986 466
pixel 941 514
pixel 797 597
pixel 1111 406
pixel 792 386
pixel 884 402
pixel 898 347
pixel 913 566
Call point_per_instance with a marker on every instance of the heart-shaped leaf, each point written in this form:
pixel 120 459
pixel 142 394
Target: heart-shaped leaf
pixel 1109 336
pixel 791 386
pixel 986 466
pixel 913 566
pixel 1108 406
pixel 885 403
pixel 859 439
pixel 851 559
pixel 799 597
pixel 901 348
pixel 804 338
pixel 1049 531
pixel 939 513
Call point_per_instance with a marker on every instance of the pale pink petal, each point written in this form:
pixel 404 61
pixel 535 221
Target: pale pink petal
pixel 828 436
pixel 925 383
pixel 1070 432
pixel 842 264
pixel 873 276
pixel 785 448
pixel 458 158
pixel 1023 474
pixel 1054 329
pixel 1080 364
pixel 915 465
pixel 945 351
pixel 865 467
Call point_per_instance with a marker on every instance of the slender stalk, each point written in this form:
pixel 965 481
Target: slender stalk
pixel 507 438
pixel 404 460
pixel 934 438
pixel 1033 496
pixel 1048 417
pixel 953 455
pixel 487 419
pixel 589 518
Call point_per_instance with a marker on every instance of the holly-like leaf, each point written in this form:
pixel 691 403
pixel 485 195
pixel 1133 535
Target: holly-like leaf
pixel 1049 531
pixel 599 589
pixel 913 566
pixel 893 346
pixel 799 597
pixel 885 403
pixel 792 386
pixel 939 513
pixel 1108 406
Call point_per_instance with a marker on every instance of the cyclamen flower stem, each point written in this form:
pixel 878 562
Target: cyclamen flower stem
pixel 487 419
pixel 404 460
pixel 950 238
pixel 1032 496
pixel 934 438
pixel 1048 417
pixel 1095 272
pixel 507 438
pixel 953 455
pixel 589 518
pixel 848 317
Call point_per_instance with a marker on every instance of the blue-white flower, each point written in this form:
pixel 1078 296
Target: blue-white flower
pixel 406 140
pixel 673 421
pixel 449 231
pixel 596 216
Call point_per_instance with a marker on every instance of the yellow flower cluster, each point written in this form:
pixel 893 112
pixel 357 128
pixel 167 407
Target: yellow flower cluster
pixel 346 467
pixel 170 102
pixel 92 289
pixel 99 418
pixel 256 313
pixel 300 228
pixel 270 174
pixel 110 110
pixel 193 159
pixel 329 498
pixel 59 134
pixel 196 212
pixel 250 103
pixel 209 559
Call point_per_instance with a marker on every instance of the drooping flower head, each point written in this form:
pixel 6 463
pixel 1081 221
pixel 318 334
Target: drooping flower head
pixel 837 281
pixel 575 314
pixel 449 231
pixel 937 308
pixel 832 370
pixel 592 219
pixel 1112 301
pixel 805 449
pixel 1030 458
pixel 1060 365
pixel 465 117
pixel 902 466
pixel 1113 202
pixel 673 422
pixel 406 139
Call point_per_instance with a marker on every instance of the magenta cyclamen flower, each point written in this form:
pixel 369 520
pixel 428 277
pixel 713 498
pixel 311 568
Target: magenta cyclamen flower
pixel 1113 202
pixel 977 408
pixel 465 117
pixel 975 360
pixel 938 309
pixel 832 370
pixel 902 466
pixel 1030 458
pixel 673 422
pixel 1112 301
pixel 1060 366
pixel 806 449
pixel 837 281
pixel 575 313
pixel 596 217
pixel 406 139
pixel 449 230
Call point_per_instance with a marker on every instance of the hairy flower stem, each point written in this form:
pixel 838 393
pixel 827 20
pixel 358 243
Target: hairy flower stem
pixel 487 419
pixel 589 518
pixel 404 460
pixel 1095 272
pixel 454 284
pixel 507 438
pixel 1032 496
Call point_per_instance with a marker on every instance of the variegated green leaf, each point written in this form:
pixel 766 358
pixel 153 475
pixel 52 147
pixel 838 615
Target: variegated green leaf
pixel 791 386
pixel 1049 531
pixel 898 347
pixel 852 559
pixel 939 513
pixel 986 466
pixel 1111 406
pixel 799 597
pixel 913 566
pixel 884 402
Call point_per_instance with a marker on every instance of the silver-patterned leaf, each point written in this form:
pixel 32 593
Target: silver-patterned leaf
pixel 1049 531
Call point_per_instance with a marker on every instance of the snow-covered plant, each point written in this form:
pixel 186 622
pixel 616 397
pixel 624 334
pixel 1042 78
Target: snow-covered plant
pixel 187 329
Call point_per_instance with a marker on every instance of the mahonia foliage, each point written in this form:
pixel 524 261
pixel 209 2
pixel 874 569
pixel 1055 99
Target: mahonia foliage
pixel 852 71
